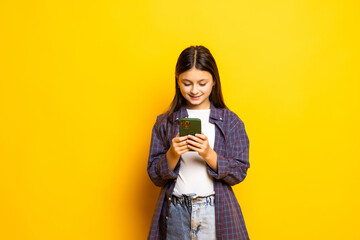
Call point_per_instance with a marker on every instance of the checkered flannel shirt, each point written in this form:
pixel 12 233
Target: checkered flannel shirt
pixel 232 148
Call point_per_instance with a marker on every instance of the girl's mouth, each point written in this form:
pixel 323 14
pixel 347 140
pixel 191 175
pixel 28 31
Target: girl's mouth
pixel 195 97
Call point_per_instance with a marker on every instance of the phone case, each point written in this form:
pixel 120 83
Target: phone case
pixel 189 126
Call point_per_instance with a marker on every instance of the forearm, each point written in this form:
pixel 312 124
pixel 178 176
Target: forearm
pixel 211 160
pixel 230 170
pixel 172 159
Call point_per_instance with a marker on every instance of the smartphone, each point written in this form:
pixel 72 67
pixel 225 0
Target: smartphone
pixel 189 126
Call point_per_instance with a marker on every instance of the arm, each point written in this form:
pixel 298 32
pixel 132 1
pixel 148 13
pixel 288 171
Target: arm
pixel 158 163
pixel 233 169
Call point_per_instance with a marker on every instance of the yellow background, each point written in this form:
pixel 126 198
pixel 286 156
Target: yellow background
pixel 83 81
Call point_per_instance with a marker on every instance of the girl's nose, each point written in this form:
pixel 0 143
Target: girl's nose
pixel 194 90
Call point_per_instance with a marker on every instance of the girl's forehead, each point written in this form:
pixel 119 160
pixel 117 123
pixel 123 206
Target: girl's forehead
pixel 195 75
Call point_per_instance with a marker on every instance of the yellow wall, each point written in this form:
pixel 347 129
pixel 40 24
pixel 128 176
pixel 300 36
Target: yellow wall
pixel 81 83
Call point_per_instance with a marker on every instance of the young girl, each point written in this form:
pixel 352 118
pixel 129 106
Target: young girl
pixel 196 199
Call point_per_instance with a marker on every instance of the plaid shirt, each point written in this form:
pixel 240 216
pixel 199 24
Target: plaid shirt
pixel 232 148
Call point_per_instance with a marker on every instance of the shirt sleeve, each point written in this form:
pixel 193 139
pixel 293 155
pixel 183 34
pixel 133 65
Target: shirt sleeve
pixel 233 169
pixel 158 168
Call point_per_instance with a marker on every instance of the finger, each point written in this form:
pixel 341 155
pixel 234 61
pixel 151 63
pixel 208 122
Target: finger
pixel 184 151
pixel 193 148
pixel 193 143
pixel 202 136
pixel 182 148
pixel 180 144
pixel 196 139
pixel 192 137
pixel 180 139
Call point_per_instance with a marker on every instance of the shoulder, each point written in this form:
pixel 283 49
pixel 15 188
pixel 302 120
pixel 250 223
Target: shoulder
pixel 161 123
pixel 161 119
pixel 231 118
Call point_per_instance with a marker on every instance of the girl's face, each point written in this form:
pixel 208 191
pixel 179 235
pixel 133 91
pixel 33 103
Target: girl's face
pixel 196 86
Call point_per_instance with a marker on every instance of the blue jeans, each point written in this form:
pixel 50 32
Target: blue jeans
pixel 191 217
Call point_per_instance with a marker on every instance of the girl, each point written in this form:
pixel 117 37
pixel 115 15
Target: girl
pixel 196 200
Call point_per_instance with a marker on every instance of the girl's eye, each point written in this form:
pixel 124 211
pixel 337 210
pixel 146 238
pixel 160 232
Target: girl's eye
pixel 187 84
pixel 202 84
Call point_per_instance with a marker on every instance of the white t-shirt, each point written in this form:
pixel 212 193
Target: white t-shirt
pixel 193 176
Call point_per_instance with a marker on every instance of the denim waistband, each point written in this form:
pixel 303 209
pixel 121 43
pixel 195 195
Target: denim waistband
pixel 189 200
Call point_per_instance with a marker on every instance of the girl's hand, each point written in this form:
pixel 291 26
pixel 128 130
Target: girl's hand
pixel 200 144
pixel 178 147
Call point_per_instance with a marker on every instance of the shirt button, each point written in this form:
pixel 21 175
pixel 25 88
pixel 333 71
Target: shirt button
pixel 167 217
pixel 220 118
pixel 169 198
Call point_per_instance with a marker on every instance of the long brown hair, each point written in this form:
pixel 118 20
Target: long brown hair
pixel 200 57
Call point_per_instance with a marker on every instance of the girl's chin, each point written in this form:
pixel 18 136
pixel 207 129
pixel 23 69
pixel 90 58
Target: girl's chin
pixel 194 102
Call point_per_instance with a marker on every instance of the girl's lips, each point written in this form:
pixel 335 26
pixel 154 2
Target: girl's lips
pixel 195 98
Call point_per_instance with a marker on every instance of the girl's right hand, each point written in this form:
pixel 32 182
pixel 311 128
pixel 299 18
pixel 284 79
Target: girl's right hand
pixel 178 146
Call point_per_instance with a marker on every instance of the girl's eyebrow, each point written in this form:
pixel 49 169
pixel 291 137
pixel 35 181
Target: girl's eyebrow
pixel 191 81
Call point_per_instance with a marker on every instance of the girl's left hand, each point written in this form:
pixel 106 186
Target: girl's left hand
pixel 200 144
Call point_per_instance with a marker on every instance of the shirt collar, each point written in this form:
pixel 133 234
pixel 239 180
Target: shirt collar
pixel 215 113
